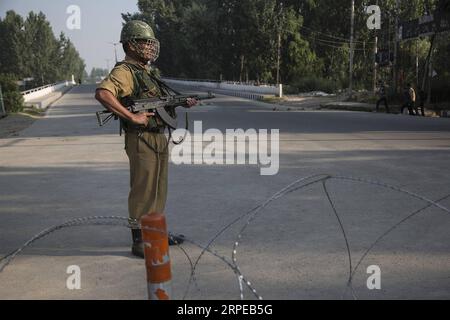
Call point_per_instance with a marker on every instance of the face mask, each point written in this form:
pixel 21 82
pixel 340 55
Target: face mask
pixel 147 49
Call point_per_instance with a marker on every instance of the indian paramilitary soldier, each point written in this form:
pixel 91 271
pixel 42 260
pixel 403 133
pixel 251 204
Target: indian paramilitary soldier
pixel 145 141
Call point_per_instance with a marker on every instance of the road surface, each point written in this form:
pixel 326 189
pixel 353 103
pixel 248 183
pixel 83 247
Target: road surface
pixel 303 245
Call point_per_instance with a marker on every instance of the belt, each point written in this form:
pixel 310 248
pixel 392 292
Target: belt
pixel 155 129
pixel 146 129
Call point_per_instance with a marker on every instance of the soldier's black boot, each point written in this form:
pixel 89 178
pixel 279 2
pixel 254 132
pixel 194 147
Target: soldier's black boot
pixel 137 248
pixel 175 239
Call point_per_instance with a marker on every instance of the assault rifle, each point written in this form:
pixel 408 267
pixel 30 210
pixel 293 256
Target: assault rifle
pixel 163 107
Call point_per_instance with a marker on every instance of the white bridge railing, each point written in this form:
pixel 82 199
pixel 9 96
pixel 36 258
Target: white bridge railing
pixel 276 90
pixel 44 90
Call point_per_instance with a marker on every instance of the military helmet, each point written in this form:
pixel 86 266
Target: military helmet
pixel 134 32
pixel 136 29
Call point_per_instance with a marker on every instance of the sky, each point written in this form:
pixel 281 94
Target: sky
pixel 100 24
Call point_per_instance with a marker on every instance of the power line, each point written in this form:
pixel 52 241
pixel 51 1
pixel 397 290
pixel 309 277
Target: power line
pixel 333 44
pixel 334 37
pixel 337 47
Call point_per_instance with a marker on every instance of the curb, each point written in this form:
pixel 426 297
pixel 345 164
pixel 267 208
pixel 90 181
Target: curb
pixel 394 109
pixel 351 106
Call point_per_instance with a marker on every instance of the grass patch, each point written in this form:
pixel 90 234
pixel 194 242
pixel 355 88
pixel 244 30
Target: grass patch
pixel 273 99
pixel 33 112
pixel 14 122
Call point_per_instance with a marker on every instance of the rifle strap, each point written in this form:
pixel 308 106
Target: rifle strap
pixel 185 132
pixel 170 138
pixel 150 146
pixel 163 85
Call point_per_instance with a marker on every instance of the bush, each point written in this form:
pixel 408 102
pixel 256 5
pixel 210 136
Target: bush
pixel 289 89
pixel 308 84
pixel 12 98
pixel 8 82
pixel 13 101
pixel 440 89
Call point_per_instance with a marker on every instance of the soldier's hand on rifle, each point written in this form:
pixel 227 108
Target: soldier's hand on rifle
pixel 191 102
pixel 142 118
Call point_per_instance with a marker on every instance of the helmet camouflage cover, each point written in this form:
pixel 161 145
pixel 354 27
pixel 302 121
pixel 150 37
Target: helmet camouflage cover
pixel 139 30
pixel 136 29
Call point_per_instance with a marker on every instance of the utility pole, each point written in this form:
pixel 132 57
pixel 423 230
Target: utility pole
pixel 115 49
pixel 375 51
pixel 430 78
pixel 397 7
pixel 278 57
pixel 280 15
pixel 428 73
pixel 242 68
pixel 427 62
pixel 352 26
pixel 417 63
pixel 389 38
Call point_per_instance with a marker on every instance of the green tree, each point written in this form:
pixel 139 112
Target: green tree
pixel 69 61
pixel 12 55
pixel 12 98
pixel 97 74
pixel 238 39
pixel 30 50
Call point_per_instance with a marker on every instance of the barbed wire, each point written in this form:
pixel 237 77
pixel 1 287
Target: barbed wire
pixel 297 185
pixel 6 260
pixel 292 187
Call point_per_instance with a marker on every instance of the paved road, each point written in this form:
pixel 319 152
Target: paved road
pixel 64 166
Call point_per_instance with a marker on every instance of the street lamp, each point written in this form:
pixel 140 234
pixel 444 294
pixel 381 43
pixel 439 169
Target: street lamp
pixel 115 49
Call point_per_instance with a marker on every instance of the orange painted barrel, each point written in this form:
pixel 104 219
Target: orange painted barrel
pixel 157 260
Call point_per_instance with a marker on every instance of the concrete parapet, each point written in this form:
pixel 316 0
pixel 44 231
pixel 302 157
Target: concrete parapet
pixel 36 93
pixel 231 86
pixel 43 101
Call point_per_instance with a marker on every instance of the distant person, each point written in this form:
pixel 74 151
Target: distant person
pixel 422 98
pixel 412 99
pixel 409 96
pixel 79 81
pixel 382 97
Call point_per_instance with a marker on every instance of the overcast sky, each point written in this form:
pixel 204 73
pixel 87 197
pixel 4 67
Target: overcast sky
pixel 101 23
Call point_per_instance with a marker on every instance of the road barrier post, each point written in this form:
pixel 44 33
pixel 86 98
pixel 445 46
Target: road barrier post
pixel 157 260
